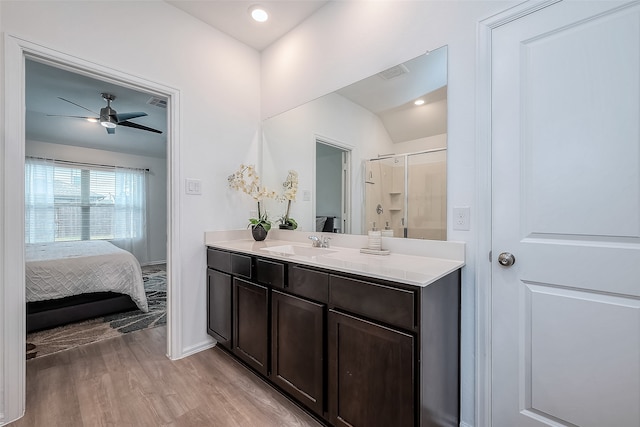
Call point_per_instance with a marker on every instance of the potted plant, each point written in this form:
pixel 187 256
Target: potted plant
pixel 246 179
pixel 290 186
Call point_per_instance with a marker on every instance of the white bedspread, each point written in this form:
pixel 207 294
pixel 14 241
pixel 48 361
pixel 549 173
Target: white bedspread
pixel 61 269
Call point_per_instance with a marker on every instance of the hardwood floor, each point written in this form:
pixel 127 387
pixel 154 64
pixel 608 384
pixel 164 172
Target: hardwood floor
pixel 128 381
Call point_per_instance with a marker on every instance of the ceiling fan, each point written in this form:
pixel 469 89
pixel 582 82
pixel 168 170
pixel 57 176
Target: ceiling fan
pixel 108 117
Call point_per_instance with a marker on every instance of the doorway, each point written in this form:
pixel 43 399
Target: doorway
pixel 92 185
pixel 14 313
pixel 332 188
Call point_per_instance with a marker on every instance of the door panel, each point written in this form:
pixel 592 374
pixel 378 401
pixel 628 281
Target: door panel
pixel 251 323
pixel 566 202
pixel 564 329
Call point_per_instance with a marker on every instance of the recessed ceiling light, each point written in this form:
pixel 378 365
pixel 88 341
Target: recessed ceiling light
pixel 258 13
pixel 419 101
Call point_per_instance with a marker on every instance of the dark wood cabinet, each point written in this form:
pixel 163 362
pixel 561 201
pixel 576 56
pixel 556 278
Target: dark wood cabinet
pixel 354 350
pixel 251 323
pixel 308 283
pixel 219 306
pixel 297 348
pixel 270 273
pixel 371 374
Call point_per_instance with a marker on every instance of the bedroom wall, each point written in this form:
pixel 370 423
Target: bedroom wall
pixel 157 184
pixel 219 84
pixel 347 41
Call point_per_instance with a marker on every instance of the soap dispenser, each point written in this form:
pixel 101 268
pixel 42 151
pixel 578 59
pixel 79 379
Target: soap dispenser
pixel 375 240
pixel 387 232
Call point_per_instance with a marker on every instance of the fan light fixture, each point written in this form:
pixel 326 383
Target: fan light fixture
pixel 258 13
pixel 107 114
pixel 108 122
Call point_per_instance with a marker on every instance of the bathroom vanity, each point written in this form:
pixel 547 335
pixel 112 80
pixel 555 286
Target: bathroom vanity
pixel 357 340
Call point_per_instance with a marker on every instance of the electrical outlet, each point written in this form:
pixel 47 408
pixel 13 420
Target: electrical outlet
pixel 461 218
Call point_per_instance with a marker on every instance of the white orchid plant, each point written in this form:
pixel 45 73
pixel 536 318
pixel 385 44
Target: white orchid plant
pixel 290 187
pixel 246 179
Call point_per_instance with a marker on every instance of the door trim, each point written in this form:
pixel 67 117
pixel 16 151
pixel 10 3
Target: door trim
pixel 483 279
pixel 12 147
pixel 347 189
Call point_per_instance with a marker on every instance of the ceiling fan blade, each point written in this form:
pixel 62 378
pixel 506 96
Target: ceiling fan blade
pixel 111 131
pixel 73 117
pixel 137 126
pixel 77 105
pixel 121 117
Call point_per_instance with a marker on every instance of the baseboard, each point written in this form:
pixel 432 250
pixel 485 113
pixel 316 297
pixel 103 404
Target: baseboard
pixel 205 345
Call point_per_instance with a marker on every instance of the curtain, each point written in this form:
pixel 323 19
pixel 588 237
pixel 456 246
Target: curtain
pixel 40 221
pixel 130 212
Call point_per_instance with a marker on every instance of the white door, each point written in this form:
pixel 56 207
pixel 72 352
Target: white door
pixel 566 203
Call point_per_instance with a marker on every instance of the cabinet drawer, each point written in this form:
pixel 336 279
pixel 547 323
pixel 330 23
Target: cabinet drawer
pixel 308 283
pixel 241 265
pixel 270 273
pixel 384 303
pixel 219 260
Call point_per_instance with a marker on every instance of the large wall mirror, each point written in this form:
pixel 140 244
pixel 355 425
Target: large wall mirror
pixel 387 135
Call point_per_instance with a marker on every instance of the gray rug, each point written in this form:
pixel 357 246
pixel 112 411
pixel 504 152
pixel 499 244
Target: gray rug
pixel 51 341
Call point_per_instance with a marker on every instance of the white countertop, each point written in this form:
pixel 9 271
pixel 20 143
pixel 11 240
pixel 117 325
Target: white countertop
pixel 411 267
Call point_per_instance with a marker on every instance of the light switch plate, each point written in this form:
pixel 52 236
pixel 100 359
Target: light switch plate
pixel 192 186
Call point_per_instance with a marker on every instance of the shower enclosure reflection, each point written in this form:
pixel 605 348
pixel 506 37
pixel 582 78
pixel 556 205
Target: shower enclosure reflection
pixel 406 194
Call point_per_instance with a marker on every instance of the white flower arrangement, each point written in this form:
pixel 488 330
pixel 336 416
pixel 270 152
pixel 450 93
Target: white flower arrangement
pixel 290 186
pixel 246 179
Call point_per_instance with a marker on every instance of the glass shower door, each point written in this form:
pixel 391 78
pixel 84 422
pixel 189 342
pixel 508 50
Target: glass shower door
pixel 427 195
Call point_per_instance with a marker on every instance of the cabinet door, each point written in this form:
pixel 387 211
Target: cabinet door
pixel 297 330
pixel 250 328
pixel 219 307
pixel 371 374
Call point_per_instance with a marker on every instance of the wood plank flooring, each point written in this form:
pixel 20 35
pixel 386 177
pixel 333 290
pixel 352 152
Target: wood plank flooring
pixel 128 381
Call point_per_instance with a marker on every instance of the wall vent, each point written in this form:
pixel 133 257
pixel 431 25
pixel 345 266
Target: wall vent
pixel 158 102
pixel 393 72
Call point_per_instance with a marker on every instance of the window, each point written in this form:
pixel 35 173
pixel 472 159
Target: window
pixel 78 202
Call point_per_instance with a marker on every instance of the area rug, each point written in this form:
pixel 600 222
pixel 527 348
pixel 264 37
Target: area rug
pixel 62 338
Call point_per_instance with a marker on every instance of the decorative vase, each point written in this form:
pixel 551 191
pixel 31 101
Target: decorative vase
pixel 258 232
pixel 285 227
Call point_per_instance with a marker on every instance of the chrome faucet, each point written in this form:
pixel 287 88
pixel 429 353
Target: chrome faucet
pixel 319 242
pixel 315 241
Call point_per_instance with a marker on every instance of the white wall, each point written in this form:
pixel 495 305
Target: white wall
pixel 347 41
pixel 219 84
pixel 289 143
pixel 156 179
pixel 422 144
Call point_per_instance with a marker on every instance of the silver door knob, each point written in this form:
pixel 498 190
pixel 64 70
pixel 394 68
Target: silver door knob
pixel 506 259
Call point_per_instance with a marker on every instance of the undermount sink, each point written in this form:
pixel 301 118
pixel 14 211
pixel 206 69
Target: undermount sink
pixel 308 251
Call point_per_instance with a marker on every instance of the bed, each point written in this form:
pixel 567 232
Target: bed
pixel 72 281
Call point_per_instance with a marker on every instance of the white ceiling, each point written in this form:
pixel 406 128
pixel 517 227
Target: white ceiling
pixel 392 97
pixel 232 17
